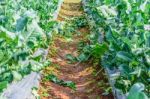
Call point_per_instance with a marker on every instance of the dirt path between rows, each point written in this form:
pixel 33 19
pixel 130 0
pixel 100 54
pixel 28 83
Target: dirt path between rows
pixel 82 74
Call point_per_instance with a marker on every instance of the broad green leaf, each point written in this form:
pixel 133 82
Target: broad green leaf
pixel 21 23
pixel 1 55
pixel 54 79
pixel 3 85
pixel 136 92
pixel 4 33
pixel 124 56
pixel 99 50
pixel 16 76
pixel 36 66
pixel 70 57
pixel 82 57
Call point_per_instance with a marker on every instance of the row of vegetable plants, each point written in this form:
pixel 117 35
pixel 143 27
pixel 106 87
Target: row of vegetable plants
pixel 124 25
pixel 25 32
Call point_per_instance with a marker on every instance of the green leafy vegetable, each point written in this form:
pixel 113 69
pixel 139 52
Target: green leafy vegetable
pixel 136 92
pixel 124 26
pixel 54 79
pixel 24 30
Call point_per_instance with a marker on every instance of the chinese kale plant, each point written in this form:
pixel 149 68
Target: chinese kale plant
pixel 25 28
pixel 126 28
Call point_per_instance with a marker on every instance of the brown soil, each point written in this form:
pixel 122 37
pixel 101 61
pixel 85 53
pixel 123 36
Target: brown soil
pixel 81 73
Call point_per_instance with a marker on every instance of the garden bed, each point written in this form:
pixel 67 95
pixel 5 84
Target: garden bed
pixel 126 61
pixel 111 74
pixel 24 89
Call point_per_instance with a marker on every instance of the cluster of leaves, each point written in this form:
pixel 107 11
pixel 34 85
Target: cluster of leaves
pixel 92 50
pixel 25 30
pixel 70 27
pixel 54 79
pixel 136 92
pixel 126 26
